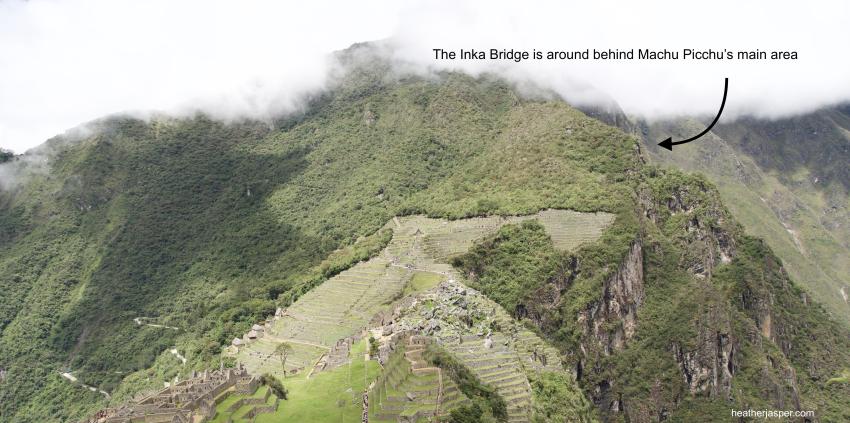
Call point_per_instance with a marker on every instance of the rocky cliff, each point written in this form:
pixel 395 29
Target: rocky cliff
pixel 613 319
pixel 688 319
pixel 785 180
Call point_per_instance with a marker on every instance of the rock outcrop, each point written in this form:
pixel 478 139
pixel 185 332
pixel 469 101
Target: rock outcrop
pixel 702 220
pixel 709 366
pixel 613 319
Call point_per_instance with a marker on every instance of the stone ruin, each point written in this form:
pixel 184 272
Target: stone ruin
pixel 190 400
pixel 257 331
pixel 338 354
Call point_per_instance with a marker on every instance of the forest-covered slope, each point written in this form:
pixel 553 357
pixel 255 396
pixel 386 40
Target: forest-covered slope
pixel 207 227
pixel 787 181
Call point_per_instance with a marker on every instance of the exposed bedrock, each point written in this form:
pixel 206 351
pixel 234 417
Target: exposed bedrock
pixel 708 366
pixel 612 320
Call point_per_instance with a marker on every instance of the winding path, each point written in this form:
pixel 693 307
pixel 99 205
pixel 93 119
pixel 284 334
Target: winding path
pixel 73 379
pixel 140 322
pixel 177 354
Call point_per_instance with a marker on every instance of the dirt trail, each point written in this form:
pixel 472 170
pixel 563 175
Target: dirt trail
pixel 73 379
pixel 297 341
pixel 177 354
pixel 140 321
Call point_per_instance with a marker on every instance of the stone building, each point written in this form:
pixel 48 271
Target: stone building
pixel 190 400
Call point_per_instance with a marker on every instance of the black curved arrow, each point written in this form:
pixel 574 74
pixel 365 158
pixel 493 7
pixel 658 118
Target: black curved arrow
pixel 668 143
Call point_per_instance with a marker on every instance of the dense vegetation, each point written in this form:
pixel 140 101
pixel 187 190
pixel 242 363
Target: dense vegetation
pixel 275 385
pixel 556 400
pixel 787 181
pixel 523 260
pixel 774 329
pixel 208 227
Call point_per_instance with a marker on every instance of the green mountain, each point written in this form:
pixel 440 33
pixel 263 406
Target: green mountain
pixel 137 250
pixel 787 181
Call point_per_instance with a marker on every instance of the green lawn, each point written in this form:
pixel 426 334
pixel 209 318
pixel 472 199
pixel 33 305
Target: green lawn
pixel 843 378
pixel 222 414
pixel 330 396
pixel 422 281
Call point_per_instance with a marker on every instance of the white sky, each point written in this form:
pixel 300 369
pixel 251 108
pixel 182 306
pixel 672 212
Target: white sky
pixel 66 62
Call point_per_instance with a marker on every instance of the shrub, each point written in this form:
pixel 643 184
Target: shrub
pixel 275 385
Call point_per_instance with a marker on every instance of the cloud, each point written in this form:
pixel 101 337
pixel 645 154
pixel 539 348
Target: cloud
pixel 17 171
pixel 655 89
pixel 63 63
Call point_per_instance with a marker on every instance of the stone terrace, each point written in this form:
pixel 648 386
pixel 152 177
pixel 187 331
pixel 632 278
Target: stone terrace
pixel 345 304
pixel 569 229
pixel 410 389
pixel 333 310
pixel 496 348
pixel 499 367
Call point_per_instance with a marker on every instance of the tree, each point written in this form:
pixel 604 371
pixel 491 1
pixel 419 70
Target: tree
pixel 373 346
pixel 467 414
pixel 275 385
pixel 6 155
pixel 282 351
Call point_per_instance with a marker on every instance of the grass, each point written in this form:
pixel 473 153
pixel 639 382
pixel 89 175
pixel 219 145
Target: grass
pixel 329 396
pixel 844 378
pixel 422 281
pixel 222 415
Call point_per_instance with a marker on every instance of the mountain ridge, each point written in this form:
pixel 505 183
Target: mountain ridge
pixel 211 227
pixel 798 204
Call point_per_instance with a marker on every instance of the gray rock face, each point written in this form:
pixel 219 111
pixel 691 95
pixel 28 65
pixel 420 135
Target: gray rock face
pixel 708 368
pixel 432 326
pixel 622 295
pixel 461 302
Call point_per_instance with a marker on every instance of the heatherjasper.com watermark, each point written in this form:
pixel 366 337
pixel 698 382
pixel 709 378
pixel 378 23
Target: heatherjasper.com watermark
pixel 773 414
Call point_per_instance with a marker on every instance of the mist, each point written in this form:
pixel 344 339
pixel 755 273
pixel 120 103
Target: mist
pixel 65 63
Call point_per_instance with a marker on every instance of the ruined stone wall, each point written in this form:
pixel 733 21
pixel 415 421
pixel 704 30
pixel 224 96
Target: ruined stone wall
pixel 247 386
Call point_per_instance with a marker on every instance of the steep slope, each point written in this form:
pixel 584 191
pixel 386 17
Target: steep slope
pixel 208 228
pixel 692 319
pixel 787 181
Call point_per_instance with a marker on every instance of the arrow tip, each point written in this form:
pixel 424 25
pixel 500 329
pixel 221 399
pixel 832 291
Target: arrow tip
pixel 668 143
